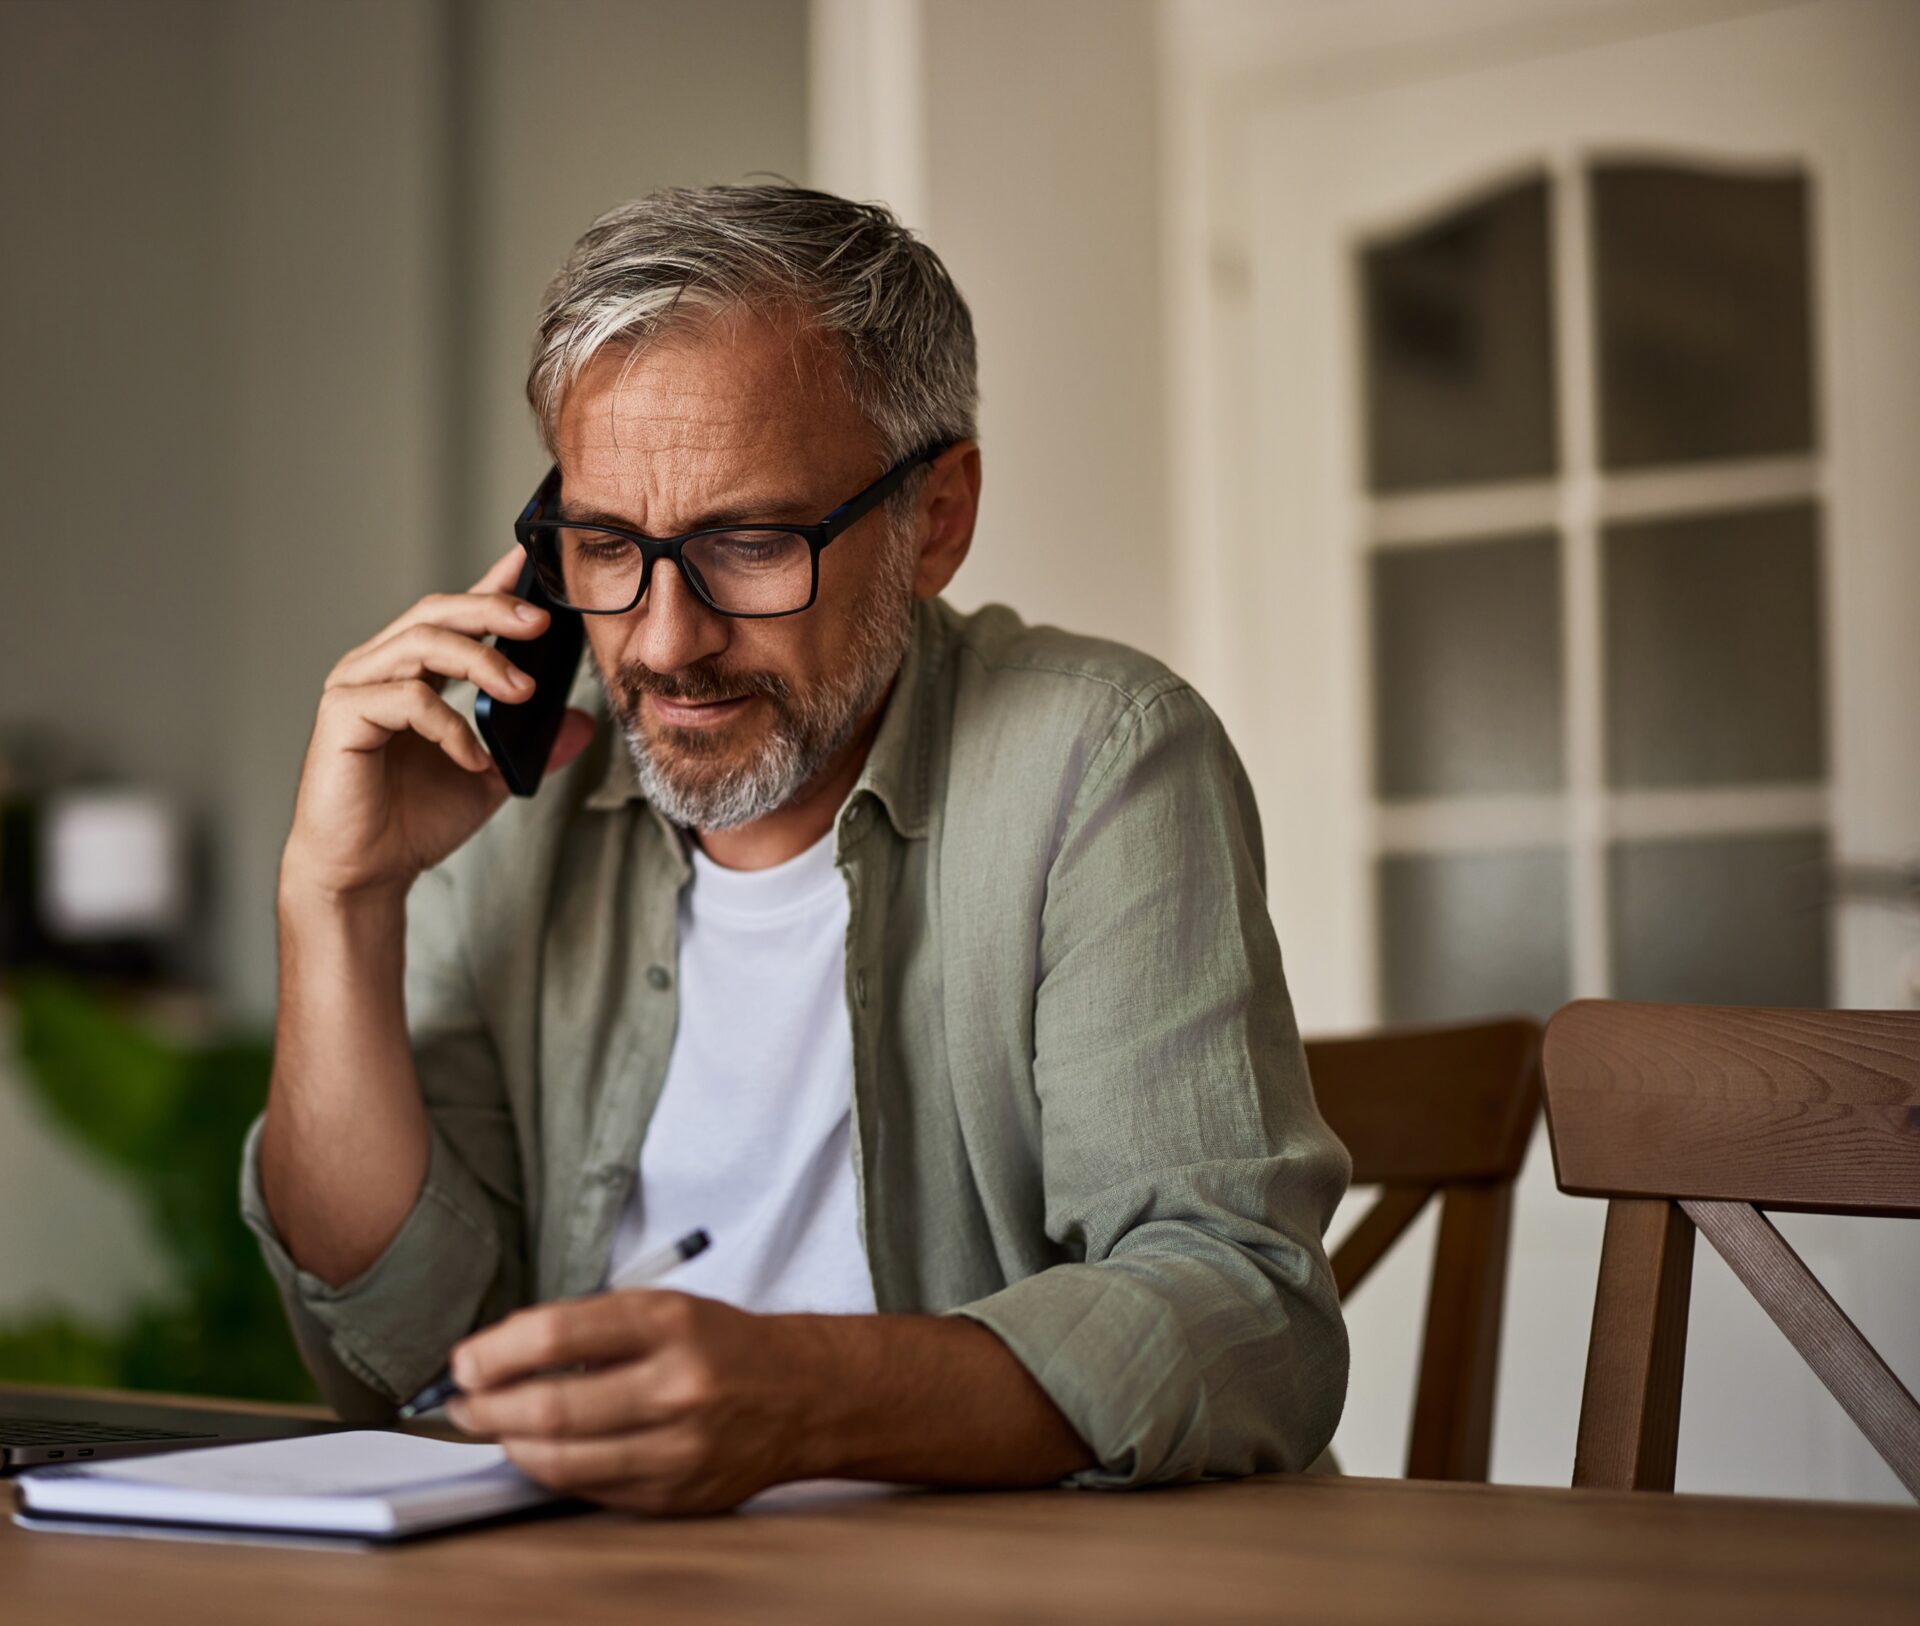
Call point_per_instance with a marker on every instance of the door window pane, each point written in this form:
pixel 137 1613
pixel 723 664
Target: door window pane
pixel 1705 332
pixel 1472 934
pixel 1466 667
pixel 1721 920
pixel 1459 348
pixel 1713 659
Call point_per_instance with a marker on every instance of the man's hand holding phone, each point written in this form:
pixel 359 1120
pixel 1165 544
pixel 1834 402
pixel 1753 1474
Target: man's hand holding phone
pixel 394 781
pixel 395 778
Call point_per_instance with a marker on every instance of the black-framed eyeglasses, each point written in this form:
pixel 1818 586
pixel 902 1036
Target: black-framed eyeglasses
pixel 753 571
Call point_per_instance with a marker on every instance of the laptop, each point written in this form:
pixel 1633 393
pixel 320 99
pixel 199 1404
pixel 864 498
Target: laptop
pixel 39 1426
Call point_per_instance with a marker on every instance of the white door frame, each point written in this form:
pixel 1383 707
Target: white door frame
pixel 1293 170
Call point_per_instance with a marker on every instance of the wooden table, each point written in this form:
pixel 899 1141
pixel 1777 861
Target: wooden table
pixel 1276 1548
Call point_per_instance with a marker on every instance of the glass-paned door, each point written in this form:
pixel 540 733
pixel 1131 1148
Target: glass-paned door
pixel 1592 568
pixel 1562 395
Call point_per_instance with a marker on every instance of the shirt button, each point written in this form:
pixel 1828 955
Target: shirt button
pixel 856 816
pixel 658 976
pixel 614 1174
pixel 860 989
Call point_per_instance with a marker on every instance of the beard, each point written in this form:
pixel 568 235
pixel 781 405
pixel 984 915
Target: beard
pixel 710 779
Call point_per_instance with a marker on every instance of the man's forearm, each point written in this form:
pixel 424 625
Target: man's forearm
pixel 931 1400
pixel 343 1150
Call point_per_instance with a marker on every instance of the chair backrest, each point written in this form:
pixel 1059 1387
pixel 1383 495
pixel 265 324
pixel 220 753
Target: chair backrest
pixel 1445 1111
pixel 1697 1117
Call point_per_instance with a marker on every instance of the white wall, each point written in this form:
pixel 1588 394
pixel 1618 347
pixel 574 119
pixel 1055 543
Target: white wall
pixel 579 105
pixel 1023 142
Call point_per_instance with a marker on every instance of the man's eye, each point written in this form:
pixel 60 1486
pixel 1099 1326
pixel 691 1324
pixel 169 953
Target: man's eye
pixel 597 549
pixel 749 550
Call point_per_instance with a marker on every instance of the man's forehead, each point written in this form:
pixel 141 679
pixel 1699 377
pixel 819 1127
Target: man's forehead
pixel 727 414
pixel 722 378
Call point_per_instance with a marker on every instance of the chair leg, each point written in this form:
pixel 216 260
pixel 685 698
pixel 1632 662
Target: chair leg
pixel 1453 1407
pixel 1630 1411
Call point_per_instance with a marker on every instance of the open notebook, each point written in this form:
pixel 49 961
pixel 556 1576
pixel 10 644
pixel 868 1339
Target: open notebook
pixel 366 1484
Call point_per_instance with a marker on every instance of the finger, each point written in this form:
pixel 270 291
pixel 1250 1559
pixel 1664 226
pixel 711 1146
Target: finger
pixel 604 1328
pixel 436 654
pixel 475 614
pixel 365 719
pixel 574 1465
pixel 577 1405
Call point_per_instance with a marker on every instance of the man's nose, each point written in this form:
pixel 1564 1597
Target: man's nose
pixel 672 628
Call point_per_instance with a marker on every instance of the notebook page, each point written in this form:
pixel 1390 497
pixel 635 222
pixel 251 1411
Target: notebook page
pixel 363 1462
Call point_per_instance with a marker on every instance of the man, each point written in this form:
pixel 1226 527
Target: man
pixel 921 958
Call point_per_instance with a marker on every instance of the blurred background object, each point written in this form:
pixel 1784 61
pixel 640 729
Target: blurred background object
pixel 164 1118
pixel 1502 409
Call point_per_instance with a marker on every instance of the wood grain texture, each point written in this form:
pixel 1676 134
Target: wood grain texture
pixel 1800 1109
pixel 1346 1552
pixel 1452 1434
pixel 1378 1229
pixel 1448 1109
pixel 1826 1338
pixel 1630 1408
pixel 1703 1114
pixel 1431 1106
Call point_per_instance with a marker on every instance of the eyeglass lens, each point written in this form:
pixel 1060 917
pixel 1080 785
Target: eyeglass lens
pixel 743 572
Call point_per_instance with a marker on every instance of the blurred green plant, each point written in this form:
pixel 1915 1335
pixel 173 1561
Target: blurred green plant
pixel 169 1120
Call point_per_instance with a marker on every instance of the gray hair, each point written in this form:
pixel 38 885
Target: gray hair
pixel 857 274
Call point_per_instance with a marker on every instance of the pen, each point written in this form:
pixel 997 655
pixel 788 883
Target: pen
pixel 642 1271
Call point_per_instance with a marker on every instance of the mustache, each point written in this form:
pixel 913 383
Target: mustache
pixel 699 684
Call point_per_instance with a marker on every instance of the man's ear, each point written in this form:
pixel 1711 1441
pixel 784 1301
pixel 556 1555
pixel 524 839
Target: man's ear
pixel 949 504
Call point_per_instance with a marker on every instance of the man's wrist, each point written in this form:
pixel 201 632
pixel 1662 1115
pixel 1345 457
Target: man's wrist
pixel 304 898
pixel 832 1422
pixel 319 923
pixel 920 1398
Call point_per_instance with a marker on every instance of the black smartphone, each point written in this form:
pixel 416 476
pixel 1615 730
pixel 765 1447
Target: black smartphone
pixel 521 737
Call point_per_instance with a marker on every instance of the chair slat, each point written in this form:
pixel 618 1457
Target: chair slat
pixel 1827 1339
pixel 1380 1227
pixel 1431 1106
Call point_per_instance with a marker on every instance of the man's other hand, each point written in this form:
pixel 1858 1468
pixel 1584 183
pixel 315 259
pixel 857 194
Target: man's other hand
pixel 686 1405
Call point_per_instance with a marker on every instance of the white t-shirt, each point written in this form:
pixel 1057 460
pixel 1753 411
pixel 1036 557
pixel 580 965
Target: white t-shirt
pixel 751 1137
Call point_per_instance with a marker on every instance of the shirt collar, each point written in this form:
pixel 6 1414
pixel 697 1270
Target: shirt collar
pixel 898 766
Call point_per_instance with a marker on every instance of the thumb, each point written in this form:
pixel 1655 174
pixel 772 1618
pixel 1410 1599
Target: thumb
pixel 576 734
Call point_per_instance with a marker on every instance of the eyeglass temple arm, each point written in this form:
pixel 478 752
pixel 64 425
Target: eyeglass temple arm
pixel 858 507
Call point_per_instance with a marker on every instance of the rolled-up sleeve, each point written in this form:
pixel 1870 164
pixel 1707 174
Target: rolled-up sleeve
pixel 1188 1175
pixel 458 1258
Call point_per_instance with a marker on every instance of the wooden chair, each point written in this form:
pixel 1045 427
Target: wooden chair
pixel 1443 1111
pixel 1698 1117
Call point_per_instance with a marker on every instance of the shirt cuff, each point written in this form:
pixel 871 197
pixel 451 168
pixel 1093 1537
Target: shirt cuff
pixel 1112 1355
pixel 395 1323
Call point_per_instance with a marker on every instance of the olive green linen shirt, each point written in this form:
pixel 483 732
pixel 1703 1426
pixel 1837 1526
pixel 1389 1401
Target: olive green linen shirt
pixel 1081 1114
